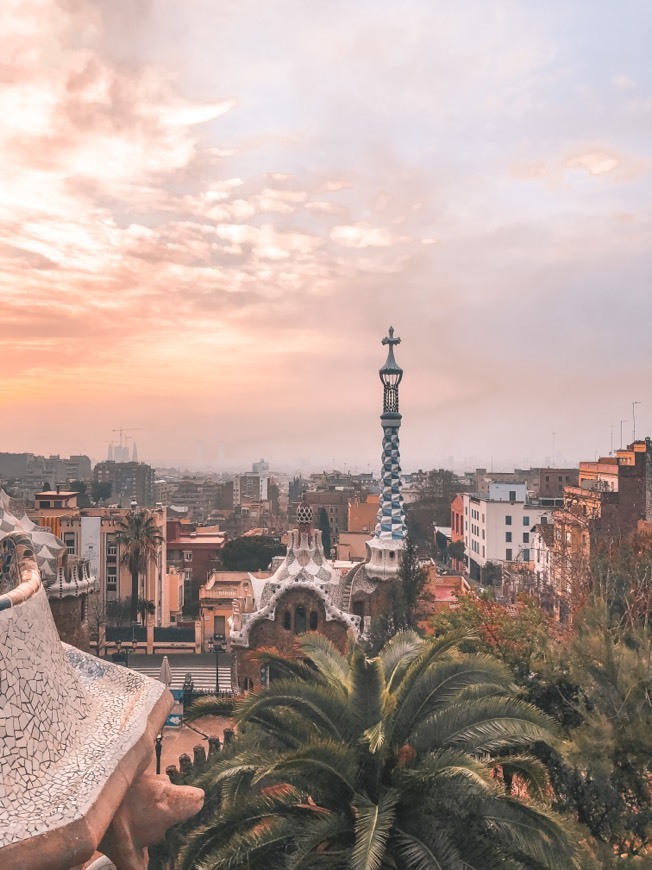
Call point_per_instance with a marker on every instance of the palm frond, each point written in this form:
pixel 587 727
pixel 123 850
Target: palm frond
pixel 530 832
pixel 367 689
pixel 315 761
pixel 398 653
pixel 432 850
pixel 493 724
pixel 285 667
pixel 228 824
pixel 431 651
pixel 439 685
pixel 529 769
pixel 330 663
pixel 209 705
pixel 325 842
pixel 373 823
pixel 321 707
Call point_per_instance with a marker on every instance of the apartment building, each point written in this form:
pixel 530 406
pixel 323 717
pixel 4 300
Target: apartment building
pixel 130 481
pixel 497 527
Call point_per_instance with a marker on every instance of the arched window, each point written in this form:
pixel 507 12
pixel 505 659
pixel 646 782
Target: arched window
pixel 287 620
pixel 248 684
pixel 314 620
pixel 299 619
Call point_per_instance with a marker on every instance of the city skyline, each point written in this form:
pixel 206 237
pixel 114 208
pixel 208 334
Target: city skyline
pixel 211 215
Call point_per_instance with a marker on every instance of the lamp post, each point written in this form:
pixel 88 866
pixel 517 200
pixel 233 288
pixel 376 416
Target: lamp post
pixel 216 645
pixel 158 747
pixel 134 644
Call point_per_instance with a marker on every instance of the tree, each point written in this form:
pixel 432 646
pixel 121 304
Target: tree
pixel 391 762
pixel 325 528
pixel 250 553
pixel 80 487
pixel 456 550
pixel 97 620
pixel 492 574
pixel 139 538
pixel 407 597
pixel 145 607
pixel 596 682
pixel 101 491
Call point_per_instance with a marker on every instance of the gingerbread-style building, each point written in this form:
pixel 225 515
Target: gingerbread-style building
pixel 305 593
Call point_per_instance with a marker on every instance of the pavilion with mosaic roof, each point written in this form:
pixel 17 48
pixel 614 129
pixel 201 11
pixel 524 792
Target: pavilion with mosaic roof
pixel 305 593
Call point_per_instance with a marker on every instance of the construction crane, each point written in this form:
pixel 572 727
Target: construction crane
pixel 126 429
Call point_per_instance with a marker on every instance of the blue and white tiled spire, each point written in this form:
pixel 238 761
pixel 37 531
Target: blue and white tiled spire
pixel 389 537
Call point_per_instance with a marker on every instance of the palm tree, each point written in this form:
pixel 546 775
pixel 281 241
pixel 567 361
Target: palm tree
pixel 400 761
pixel 139 539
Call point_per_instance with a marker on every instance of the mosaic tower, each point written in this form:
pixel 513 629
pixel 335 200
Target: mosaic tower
pixel 384 548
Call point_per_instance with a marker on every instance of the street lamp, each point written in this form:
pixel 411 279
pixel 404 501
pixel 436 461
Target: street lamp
pixel 216 645
pixel 158 748
pixel 118 646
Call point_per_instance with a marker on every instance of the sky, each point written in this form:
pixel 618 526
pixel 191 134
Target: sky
pixel 211 212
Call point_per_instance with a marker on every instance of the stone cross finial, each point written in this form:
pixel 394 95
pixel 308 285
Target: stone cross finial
pixel 390 340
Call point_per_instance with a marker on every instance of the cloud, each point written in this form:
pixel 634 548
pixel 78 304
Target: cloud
pixel 362 235
pixel 219 208
pixel 594 162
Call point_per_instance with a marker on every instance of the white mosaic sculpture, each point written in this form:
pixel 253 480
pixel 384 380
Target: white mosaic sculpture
pixel 76 735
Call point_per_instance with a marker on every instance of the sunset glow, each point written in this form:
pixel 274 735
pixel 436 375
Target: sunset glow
pixel 210 213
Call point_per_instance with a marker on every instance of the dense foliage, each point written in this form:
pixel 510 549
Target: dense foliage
pixel 398 761
pixel 409 600
pixel 250 553
pixel 595 679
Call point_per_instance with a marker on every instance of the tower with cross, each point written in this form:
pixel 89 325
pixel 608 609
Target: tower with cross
pixel 384 549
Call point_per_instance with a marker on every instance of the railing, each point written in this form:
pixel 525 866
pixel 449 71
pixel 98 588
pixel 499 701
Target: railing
pixel 173 634
pixel 126 633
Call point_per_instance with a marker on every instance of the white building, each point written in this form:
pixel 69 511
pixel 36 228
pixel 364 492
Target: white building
pixel 541 552
pixel 498 528
pixel 250 487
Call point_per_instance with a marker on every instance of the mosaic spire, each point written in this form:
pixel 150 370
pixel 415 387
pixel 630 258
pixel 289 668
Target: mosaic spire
pixel 391 514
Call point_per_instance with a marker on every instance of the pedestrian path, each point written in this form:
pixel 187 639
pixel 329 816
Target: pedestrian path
pixel 203 676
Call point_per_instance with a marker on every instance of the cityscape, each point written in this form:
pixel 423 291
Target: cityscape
pixel 325 436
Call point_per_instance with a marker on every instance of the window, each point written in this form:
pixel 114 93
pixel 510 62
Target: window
pixel 508 537
pixel 287 620
pixel 111 548
pixel 508 520
pixel 526 555
pixel 70 542
pixel 187 555
pixel 483 534
pixel 512 495
pixel 526 537
pixel 314 620
pixel 547 477
pixel 483 552
pixel 299 619
pixel 112 576
pixel 526 521
pixel 508 554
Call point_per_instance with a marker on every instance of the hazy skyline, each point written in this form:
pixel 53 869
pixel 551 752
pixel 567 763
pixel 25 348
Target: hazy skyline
pixel 211 212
